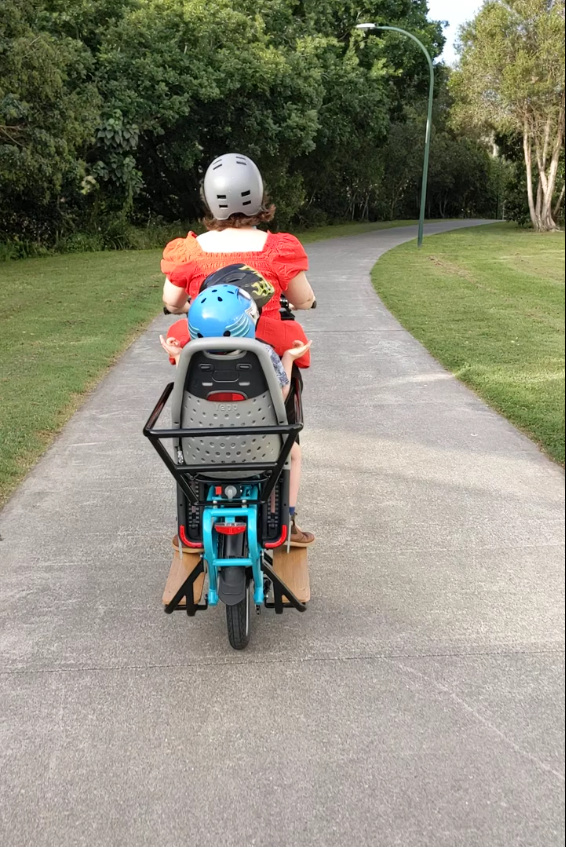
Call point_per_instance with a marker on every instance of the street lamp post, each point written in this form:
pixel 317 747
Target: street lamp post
pixel 429 120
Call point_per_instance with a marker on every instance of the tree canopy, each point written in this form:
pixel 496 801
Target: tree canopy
pixel 110 110
pixel 511 81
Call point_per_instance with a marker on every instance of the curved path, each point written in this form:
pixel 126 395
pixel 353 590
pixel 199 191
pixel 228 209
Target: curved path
pixel 419 702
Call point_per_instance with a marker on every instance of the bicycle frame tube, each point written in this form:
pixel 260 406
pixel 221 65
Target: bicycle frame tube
pixel 249 513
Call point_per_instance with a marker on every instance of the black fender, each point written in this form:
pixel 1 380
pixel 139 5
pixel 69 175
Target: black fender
pixel 233 585
pixel 233 582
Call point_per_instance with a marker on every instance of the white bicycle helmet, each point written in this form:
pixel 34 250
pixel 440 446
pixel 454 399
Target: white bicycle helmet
pixel 233 186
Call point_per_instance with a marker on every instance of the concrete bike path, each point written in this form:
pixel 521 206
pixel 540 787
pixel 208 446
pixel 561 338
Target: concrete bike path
pixel 420 700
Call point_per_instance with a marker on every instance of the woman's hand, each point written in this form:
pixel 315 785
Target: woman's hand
pixel 298 350
pixel 172 348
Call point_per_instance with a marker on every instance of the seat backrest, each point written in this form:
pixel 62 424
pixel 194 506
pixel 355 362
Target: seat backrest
pixel 226 383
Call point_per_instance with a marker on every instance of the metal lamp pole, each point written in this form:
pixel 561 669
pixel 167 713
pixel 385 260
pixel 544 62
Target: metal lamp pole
pixel 429 121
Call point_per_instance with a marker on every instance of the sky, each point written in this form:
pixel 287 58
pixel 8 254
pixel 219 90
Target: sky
pixel 456 12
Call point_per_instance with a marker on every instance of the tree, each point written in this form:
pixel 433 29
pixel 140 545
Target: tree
pixel 110 110
pixel 184 80
pixel 511 80
pixel 47 115
pixel 369 80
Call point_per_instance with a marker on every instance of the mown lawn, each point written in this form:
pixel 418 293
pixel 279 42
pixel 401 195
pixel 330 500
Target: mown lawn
pixel 489 304
pixel 63 321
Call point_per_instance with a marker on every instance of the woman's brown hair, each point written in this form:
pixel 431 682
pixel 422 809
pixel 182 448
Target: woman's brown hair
pixel 264 216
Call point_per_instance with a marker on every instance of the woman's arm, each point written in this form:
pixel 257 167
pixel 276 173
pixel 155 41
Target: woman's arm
pixel 300 293
pixel 175 299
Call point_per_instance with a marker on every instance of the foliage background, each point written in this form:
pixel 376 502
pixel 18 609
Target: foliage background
pixel 110 111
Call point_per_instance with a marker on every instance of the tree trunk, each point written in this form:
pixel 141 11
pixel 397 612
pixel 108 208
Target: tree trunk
pixel 548 206
pixel 559 202
pixel 528 148
pixel 543 210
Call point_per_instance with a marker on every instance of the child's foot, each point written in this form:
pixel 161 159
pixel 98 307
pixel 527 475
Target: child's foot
pixel 300 538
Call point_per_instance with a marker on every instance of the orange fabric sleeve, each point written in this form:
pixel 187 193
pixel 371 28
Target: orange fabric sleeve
pixel 290 259
pixel 182 275
pixel 178 252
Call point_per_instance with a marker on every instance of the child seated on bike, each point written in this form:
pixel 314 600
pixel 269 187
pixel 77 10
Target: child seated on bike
pixel 235 314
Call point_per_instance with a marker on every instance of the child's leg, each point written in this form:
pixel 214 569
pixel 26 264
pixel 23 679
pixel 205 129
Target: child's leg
pixel 296 470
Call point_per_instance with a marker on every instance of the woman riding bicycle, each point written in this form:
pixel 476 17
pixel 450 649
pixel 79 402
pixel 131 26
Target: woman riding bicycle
pixel 237 206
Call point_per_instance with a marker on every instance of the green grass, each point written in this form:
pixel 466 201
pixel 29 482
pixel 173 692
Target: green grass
pixel 64 320
pixel 489 304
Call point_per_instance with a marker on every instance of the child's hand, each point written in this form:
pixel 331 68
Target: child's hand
pixel 298 350
pixel 172 348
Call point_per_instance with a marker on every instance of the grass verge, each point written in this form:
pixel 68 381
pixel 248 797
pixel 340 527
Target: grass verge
pixel 63 322
pixel 488 303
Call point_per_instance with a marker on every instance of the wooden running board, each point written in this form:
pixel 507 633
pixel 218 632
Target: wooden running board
pixel 293 569
pixel 179 573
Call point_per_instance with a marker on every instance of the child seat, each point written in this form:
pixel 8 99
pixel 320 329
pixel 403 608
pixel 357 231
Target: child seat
pixel 231 387
pixel 229 430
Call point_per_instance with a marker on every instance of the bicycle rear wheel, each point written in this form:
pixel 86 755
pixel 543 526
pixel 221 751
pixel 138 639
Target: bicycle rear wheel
pixel 239 619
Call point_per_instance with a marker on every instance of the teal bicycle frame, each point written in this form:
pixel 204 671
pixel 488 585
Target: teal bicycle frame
pixel 231 516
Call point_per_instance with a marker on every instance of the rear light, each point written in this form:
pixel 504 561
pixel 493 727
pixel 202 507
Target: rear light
pixel 231 528
pixel 226 397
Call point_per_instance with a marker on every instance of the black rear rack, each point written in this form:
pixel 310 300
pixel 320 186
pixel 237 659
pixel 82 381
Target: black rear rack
pixel 185 474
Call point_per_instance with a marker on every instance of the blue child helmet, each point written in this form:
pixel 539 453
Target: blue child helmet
pixel 223 311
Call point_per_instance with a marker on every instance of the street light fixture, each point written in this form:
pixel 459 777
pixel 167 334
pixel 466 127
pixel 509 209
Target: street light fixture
pixel 368 27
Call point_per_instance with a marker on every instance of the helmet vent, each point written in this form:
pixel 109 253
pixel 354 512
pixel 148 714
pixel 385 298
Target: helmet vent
pixel 247 203
pixel 222 197
pixel 244 194
pixel 218 166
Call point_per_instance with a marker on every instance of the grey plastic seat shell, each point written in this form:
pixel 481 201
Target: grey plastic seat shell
pixel 190 412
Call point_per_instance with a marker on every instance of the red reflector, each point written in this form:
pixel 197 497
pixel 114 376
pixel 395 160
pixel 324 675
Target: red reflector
pixel 183 536
pixel 280 542
pixel 218 491
pixel 231 528
pixel 225 397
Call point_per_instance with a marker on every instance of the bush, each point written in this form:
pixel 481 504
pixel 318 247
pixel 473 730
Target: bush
pixel 117 234
pixel 17 249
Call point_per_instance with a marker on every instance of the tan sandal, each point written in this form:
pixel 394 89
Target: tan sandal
pixel 300 538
